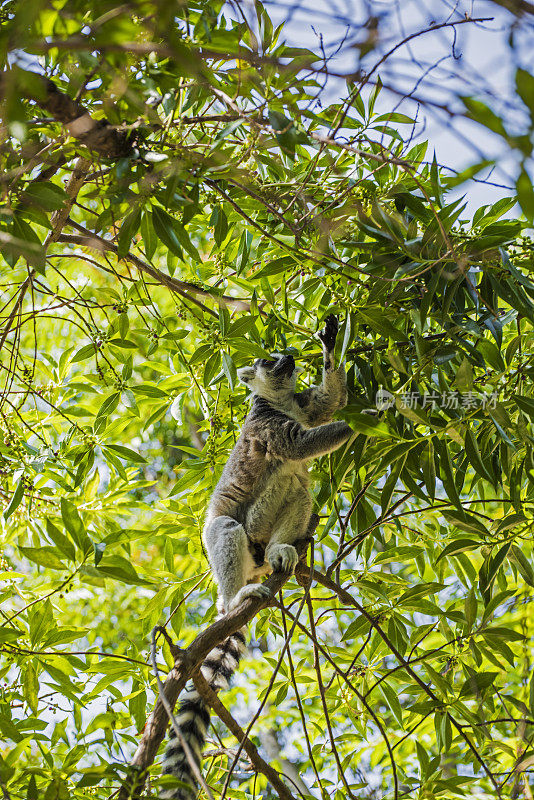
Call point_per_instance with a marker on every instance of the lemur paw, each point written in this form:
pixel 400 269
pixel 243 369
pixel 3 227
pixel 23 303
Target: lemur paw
pixel 329 334
pixel 251 590
pixel 282 557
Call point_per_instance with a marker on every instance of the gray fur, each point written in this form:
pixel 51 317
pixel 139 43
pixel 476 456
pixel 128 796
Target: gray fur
pixel 259 508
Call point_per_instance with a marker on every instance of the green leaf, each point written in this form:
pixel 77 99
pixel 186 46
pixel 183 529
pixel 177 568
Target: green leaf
pixel 129 228
pixel 99 549
pixel 23 245
pixel 390 484
pixel 491 354
pixel 286 132
pixel 380 324
pixel 47 195
pixel 525 193
pixel 84 352
pixel 526 404
pixel 31 791
pixel 44 556
pixel 148 390
pixel 30 686
pixel 211 368
pixel 523 564
pixel 464 376
pixel 41 619
pixel 220 222
pixel 524 82
pixel 229 369
pixel 393 702
pixel 428 465
pixel 457 546
pixel 121 569
pixel 15 501
pixel 275 267
pixel 470 609
pixel 173 234
pixel 347 338
pixel 125 452
pixel 224 320
pixel 496 562
pixel 148 235
pixel 488 570
pixel 481 113
pixel 124 344
pixel 473 454
pixel 9 635
pixel 363 423
pixel 109 405
pixel 476 683
pixel 466 522
pixel 60 540
pixel 74 525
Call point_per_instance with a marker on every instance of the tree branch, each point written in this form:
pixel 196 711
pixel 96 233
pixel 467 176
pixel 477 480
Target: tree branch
pixel 189 661
pixel 183 288
pixel 58 221
pixel 98 135
pixel 211 699
pixel 349 600
pixel 181 738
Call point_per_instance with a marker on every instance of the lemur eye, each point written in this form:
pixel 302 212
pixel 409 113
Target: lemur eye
pixel 266 363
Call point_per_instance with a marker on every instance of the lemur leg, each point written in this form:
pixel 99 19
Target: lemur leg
pixel 292 525
pixel 231 562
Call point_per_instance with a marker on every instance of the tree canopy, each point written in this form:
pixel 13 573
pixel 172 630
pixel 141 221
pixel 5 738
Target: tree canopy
pixel 180 195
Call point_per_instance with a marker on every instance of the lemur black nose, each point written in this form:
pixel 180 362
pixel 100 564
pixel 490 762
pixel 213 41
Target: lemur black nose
pixel 285 366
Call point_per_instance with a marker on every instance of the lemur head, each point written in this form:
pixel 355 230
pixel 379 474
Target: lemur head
pixel 274 379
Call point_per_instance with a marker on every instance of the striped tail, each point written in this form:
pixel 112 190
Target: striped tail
pixel 193 716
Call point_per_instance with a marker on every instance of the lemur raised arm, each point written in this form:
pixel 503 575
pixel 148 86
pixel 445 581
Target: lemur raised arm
pixel 259 508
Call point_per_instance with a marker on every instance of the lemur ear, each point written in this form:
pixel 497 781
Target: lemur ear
pixel 245 374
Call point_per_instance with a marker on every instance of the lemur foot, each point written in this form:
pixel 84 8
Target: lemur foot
pixel 251 590
pixel 328 336
pixel 282 557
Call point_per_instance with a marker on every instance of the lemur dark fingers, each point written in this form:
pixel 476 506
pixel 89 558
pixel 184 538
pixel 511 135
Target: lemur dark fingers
pixel 329 334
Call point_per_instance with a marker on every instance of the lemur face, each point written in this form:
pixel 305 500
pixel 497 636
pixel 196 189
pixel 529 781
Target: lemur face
pixel 270 378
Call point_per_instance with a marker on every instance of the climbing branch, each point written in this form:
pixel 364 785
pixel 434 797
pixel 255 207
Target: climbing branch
pixel 181 738
pixel 188 663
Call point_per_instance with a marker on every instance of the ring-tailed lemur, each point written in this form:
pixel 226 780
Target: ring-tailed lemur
pixel 260 506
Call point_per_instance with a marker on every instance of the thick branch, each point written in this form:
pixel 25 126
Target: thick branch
pixel 517 7
pixel 189 661
pixel 97 135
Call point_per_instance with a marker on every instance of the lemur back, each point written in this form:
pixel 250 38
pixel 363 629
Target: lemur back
pixel 259 508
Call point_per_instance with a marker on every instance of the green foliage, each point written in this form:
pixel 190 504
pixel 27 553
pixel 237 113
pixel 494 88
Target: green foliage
pixel 237 223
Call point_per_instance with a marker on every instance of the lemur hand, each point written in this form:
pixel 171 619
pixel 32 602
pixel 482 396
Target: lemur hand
pixel 329 334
